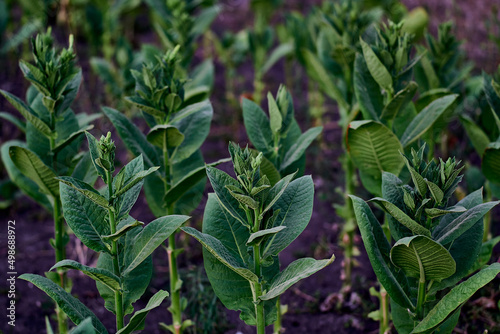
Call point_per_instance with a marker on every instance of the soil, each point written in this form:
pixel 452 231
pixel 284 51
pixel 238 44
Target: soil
pixel 315 304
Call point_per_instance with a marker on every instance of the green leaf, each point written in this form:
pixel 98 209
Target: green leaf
pixel 133 138
pixel 72 137
pixel 417 179
pixel 401 217
pixel 318 72
pixel 150 238
pixel 491 162
pixel 367 90
pixel 257 126
pixel 165 134
pixel 378 248
pixel 75 310
pixel 436 212
pixel 399 101
pixel 122 231
pixel 85 327
pixel 100 275
pixel 279 52
pixel 295 207
pixel 257 237
pixel 276 192
pixel 426 118
pixel 374 149
pixel 463 222
pixel 274 114
pixel 419 255
pixel 143 105
pixel 137 320
pixel 299 148
pixel 24 183
pixel 217 249
pixel 86 190
pixel 28 114
pixel 477 136
pixel 456 297
pixel 30 165
pixel 134 181
pixel 17 122
pixel 436 192
pixel 85 218
pixel 376 67
pixel 296 271
pixel 94 155
pixel 219 181
pixel 188 181
pixel 195 126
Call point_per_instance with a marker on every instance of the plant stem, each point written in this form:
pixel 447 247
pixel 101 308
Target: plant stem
pixel 384 311
pixel 175 283
pixel 114 252
pixel 259 305
pixel 277 323
pixel 487 217
pixel 421 290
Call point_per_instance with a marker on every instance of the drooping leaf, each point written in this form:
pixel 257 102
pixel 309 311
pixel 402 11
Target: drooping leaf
pixel 138 177
pixel 297 151
pixel 419 254
pixel 30 165
pixel 426 118
pixel 75 310
pixel 121 232
pixel 276 191
pixel 100 275
pixel 436 212
pixel 17 122
pixel 456 297
pixel 139 317
pixel 72 137
pixel 296 271
pixel 164 134
pixel 257 237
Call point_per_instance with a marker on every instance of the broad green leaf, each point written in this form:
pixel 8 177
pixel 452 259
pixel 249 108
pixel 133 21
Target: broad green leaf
pixel 257 126
pixel 28 114
pixel 426 118
pixel 188 181
pixel 30 165
pixel 376 67
pixel 436 192
pixel 165 134
pixel 297 150
pixel 374 149
pixel 217 249
pixel 295 207
pixel 85 218
pixel 134 181
pixel 367 90
pixel 143 105
pixel 195 128
pixel 477 136
pixel 257 237
pixel 430 73
pixel 268 169
pixel 122 231
pixel 392 191
pixel 399 101
pixel 420 255
pixel 24 183
pixel 456 297
pixel 85 327
pixel 219 181
pixel 150 238
pixel 72 137
pixel 296 271
pixel 463 222
pixel 491 162
pixel 233 290
pixel 86 190
pixel 100 275
pixel 74 309
pixel 17 122
pixel 133 138
pixel 137 320
pixel 275 119
pixel 317 71
pixel 378 249
pixel 401 217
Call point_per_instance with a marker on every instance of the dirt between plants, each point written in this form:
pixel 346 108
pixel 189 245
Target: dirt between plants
pixel 315 305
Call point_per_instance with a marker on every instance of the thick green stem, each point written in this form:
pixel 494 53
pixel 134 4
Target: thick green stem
pixel 259 305
pixel 279 315
pixel 258 86
pixel 114 254
pixel 421 290
pixel 384 311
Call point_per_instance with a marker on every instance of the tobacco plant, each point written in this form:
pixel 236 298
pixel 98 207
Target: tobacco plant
pixel 436 244
pixel 101 220
pixel 278 136
pixel 247 222
pixel 53 135
pixel 177 130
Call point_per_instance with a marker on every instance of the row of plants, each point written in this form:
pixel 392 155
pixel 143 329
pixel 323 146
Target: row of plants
pixel 393 95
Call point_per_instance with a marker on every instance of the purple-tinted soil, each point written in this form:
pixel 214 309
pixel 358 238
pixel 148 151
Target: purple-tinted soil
pixel 314 305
